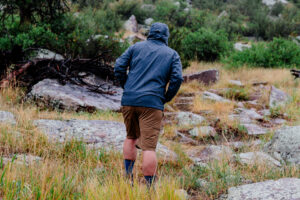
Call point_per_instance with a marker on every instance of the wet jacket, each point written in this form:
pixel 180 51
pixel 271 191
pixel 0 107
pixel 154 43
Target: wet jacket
pixel 152 65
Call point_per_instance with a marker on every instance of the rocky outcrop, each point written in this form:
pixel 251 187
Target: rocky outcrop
pixel 260 158
pixel 7 118
pixel 206 77
pixel 96 133
pixel 285 145
pixel 131 24
pixel 282 189
pixel 50 93
pixel 277 97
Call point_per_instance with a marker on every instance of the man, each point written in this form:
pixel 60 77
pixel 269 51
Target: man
pixel 152 65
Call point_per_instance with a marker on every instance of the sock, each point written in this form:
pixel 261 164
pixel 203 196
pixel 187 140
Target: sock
pixel 129 166
pixel 150 180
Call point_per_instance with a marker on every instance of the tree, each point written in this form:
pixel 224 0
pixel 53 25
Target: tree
pixel 32 10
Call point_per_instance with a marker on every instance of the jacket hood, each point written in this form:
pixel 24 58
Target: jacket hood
pixel 159 31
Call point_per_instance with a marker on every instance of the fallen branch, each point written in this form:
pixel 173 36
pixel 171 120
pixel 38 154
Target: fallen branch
pixel 295 73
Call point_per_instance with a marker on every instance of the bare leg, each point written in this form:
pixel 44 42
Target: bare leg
pixel 149 163
pixel 129 149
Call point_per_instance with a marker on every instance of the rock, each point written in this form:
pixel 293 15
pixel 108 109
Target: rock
pixel 7 118
pixel 185 140
pixel 282 189
pixel 252 114
pixel 241 118
pixel 214 97
pixel 278 121
pixel 50 93
pixel 189 119
pixel 209 153
pixel 271 3
pixel 96 133
pixel 241 47
pixel 240 105
pixel 252 158
pixel 21 159
pixel 239 144
pixel 254 129
pixel 207 77
pixel 285 145
pixel 148 7
pixel 223 14
pixel 184 103
pixel 203 131
pixel 236 83
pixel 131 24
pixel 181 194
pixel 277 97
pixel 45 54
pixel 264 112
pixel 149 21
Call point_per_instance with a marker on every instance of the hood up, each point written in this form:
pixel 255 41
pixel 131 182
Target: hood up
pixel 159 31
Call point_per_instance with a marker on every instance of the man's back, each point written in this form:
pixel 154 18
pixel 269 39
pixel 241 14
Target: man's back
pixel 152 64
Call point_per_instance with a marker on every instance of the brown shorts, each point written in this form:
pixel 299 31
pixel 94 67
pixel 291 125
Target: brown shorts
pixel 143 124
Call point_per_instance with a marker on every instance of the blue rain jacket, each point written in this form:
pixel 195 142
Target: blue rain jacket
pixel 152 65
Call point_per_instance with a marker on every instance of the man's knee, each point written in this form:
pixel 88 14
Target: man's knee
pixel 149 163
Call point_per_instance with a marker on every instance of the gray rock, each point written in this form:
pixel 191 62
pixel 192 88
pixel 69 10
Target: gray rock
pixel 203 131
pixel 214 97
pixel 149 21
pixel 285 145
pixel 50 93
pixel 207 77
pixel 7 118
pixel 184 139
pixel 189 119
pixel 45 54
pixel 239 144
pixel 241 47
pixel 277 97
pixel 131 24
pixel 96 133
pixel 236 83
pixel 209 153
pixel 278 121
pixel 265 112
pixel 282 189
pixel 148 7
pixel 252 158
pixel 223 14
pixel 271 3
pixel 254 129
pixel 246 113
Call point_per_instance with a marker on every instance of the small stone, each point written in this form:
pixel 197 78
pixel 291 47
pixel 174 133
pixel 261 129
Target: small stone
pixel 181 194
pixel 252 114
pixel 149 21
pixel 214 97
pixel 189 119
pixel 254 129
pixel 7 117
pixel 252 158
pixel 236 83
pixel 45 54
pixel 203 131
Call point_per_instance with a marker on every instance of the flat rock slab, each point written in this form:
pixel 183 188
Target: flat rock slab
pixel 96 133
pixel 261 158
pixel 282 189
pixel 285 145
pixel 209 153
pixel 207 77
pixel 254 129
pixel 50 93
pixel 7 118
pixel 214 97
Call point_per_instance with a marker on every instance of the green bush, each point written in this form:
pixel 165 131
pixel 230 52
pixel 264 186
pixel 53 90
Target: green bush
pixel 206 45
pixel 279 52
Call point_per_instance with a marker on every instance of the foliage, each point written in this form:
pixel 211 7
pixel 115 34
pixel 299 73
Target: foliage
pixel 279 52
pixel 206 45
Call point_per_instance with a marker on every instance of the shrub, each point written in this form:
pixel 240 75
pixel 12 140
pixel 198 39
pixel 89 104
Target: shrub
pixel 206 45
pixel 279 52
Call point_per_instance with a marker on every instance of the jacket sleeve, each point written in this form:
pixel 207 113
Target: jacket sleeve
pixel 121 66
pixel 175 78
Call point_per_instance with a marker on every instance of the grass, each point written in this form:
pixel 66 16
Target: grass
pixel 73 171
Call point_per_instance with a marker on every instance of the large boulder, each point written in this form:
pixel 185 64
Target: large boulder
pixel 277 97
pixel 206 77
pixel 96 133
pixel 7 118
pixel 282 189
pixel 50 93
pixel 131 24
pixel 285 145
